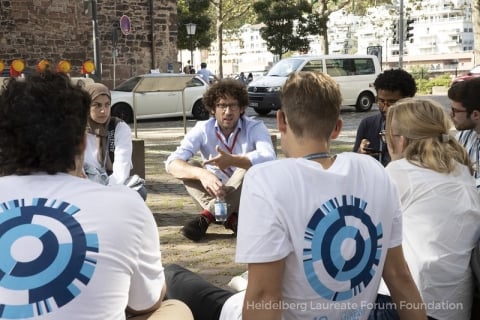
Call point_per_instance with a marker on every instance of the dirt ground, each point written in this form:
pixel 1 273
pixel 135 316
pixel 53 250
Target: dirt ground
pixel 172 207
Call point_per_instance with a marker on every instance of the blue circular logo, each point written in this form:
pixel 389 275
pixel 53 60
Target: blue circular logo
pixel 54 269
pixel 342 249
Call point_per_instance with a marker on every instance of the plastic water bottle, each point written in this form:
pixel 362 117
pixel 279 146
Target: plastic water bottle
pixel 220 210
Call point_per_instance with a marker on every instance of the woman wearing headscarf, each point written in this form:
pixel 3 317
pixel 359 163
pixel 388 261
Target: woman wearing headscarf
pixel 109 140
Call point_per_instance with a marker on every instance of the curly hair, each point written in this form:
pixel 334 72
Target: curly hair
pixel 396 80
pixel 42 124
pixel 225 88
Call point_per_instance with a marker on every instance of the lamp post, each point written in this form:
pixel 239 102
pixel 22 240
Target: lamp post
pixel 191 28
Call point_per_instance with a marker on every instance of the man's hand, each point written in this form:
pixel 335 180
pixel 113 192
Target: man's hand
pixel 364 148
pixel 222 161
pixel 212 184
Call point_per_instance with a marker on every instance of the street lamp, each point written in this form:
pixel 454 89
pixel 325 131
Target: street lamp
pixel 191 27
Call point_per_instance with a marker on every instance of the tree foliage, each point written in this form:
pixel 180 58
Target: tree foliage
pixel 228 13
pixel 323 9
pixel 360 7
pixel 194 11
pixel 286 24
pixel 476 29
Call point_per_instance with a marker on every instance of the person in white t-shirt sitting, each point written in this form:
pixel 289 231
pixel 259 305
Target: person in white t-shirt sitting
pixel 440 205
pixel 70 248
pixel 329 228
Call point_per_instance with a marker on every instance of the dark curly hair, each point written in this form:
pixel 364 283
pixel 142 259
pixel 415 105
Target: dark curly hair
pixel 42 124
pixel 396 80
pixel 223 88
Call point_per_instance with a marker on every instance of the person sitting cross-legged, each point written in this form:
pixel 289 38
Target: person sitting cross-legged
pixel 229 144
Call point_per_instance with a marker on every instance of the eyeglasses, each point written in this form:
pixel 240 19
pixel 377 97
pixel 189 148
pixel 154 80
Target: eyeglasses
pixel 383 135
pixel 454 111
pixel 384 102
pixel 231 106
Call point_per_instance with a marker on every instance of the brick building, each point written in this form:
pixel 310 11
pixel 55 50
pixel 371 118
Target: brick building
pixel 57 30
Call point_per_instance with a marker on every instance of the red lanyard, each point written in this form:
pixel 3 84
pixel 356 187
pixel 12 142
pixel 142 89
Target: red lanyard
pixel 228 171
pixel 230 149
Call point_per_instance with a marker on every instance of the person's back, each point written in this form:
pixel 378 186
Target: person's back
pixel 335 229
pixel 438 236
pixel 80 242
pixel 432 171
pixel 206 74
pixel 71 248
pixel 328 229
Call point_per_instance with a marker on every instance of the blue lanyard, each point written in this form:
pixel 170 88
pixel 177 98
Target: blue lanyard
pixel 319 155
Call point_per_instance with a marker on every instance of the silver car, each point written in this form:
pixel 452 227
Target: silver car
pixel 160 95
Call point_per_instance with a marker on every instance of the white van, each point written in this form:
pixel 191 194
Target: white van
pixel 354 73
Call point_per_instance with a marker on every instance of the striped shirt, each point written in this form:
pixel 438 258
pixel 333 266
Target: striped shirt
pixel 470 140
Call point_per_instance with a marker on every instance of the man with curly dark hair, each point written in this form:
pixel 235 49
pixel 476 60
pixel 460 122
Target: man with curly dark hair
pixel 67 242
pixel 391 86
pixel 229 143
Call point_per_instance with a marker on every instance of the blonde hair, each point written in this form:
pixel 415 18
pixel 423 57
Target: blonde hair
pixel 425 126
pixel 311 102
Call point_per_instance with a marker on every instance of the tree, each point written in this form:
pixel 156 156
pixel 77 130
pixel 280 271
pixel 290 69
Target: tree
pixel 227 12
pixel 286 24
pixel 194 11
pixel 322 10
pixel 476 29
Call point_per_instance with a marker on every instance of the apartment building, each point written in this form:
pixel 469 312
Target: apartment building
pixel 442 38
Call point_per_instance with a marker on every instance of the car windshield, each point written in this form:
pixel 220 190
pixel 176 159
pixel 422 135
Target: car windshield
pixel 284 67
pixel 128 85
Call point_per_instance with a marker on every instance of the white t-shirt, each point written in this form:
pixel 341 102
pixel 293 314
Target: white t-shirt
pixel 332 226
pixel 71 248
pixel 122 163
pixel 441 226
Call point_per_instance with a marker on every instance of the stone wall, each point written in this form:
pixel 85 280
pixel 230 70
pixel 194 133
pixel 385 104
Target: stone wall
pixel 59 29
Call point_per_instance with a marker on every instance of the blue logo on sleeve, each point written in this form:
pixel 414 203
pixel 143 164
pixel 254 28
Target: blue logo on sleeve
pixel 54 269
pixel 342 249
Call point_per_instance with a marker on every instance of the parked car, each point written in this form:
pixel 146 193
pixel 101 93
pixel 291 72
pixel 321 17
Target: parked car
pixel 160 95
pixel 355 75
pixel 474 73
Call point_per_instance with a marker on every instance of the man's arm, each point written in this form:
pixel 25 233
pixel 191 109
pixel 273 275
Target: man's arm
pixel 264 288
pixel 360 135
pixel 123 154
pixel 133 312
pixel 402 288
pixel 181 169
pixel 225 159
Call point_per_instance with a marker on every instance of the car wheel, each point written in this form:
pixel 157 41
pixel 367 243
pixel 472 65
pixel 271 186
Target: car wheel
pixel 262 111
pixel 123 111
pixel 365 101
pixel 199 111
